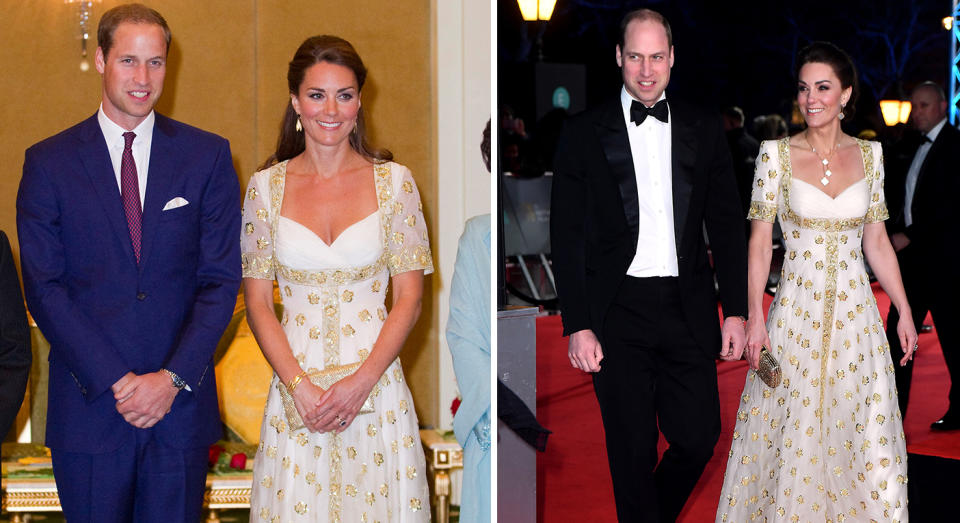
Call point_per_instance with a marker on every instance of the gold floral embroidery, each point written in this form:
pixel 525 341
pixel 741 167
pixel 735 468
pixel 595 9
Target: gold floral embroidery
pixel 347 296
pixel 336 476
pixel 262 214
pixel 337 277
pixel 255 265
pixel 248 228
pixel 762 211
pixel 313 298
pixel 364 315
pixel 252 193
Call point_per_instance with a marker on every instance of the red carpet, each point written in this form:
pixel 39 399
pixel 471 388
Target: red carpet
pixel 573 478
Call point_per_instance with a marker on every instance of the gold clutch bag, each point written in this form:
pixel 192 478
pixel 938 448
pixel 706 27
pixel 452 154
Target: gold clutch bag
pixel 768 369
pixel 324 379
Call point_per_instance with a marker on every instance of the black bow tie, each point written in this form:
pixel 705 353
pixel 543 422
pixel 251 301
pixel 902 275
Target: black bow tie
pixel 925 139
pixel 639 112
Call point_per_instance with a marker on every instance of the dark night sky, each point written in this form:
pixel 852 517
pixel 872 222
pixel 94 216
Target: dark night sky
pixel 735 53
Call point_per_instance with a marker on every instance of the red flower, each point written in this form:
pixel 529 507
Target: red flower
pixel 214 454
pixel 238 461
pixel 455 406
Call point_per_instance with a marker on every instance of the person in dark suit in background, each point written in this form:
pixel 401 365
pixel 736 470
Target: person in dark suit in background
pixel 923 234
pixel 15 355
pixel 744 149
pixel 636 178
pixel 128 225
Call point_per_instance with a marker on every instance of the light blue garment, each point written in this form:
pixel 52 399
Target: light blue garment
pixel 468 336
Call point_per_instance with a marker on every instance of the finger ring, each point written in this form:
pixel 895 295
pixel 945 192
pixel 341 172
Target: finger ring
pixel 341 421
pixel 917 346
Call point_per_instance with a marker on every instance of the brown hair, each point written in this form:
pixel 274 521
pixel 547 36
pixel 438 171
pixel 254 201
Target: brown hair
pixel 129 13
pixel 641 15
pixel 314 50
pixel 839 61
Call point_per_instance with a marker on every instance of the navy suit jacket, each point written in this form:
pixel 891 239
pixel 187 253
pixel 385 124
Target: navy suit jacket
pixel 104 314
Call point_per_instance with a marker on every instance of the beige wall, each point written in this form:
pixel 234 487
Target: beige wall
pixel 227 74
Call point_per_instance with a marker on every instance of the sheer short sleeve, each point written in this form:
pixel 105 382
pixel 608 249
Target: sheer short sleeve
pixel 877 212
pixel 256 241
pixel 765 194
pixel 407 244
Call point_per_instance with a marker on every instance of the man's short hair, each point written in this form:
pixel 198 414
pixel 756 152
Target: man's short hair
pixel 734 113
pixel 933 86
pixel 642 15
pixel 129 13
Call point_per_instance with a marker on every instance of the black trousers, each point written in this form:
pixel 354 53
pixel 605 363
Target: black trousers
pixel 927 291
pixel 655 376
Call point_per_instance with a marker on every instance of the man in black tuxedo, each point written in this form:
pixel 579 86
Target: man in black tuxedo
pixel 15 355
pixel 635 180
pixel 922 230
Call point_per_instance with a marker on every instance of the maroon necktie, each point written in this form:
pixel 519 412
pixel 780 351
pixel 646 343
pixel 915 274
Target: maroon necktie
pixel 130 192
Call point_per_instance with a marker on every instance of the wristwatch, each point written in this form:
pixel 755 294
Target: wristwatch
pixel 177 380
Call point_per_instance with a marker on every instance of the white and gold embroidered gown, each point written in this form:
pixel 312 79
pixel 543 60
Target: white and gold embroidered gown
pixel 826 445
pixel 333 299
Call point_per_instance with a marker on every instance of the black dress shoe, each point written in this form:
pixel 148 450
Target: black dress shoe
pixel 947 422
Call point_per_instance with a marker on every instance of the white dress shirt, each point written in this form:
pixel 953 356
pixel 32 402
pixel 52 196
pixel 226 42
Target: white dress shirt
pixel 113 134
pixel 650 148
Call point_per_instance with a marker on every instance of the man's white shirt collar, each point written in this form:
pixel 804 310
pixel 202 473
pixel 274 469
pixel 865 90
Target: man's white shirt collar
pixel 936 130
pixel 113 132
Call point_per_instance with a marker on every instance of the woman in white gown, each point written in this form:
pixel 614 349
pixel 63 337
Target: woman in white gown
pixel 827 444
pixel 333 220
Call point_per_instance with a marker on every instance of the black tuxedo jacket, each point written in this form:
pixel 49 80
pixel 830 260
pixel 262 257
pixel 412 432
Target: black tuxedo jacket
pixel 595 218
pixel 15 354
pixel 938 183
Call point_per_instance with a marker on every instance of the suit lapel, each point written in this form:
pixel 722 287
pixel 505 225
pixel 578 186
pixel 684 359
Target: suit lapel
pixel 163 163
pixel 683 143
pixel 96 162
pixel 612 132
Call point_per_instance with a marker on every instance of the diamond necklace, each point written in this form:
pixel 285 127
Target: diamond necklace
pixel 824 160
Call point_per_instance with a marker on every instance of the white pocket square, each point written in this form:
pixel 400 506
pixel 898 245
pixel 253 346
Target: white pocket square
pixel 174 203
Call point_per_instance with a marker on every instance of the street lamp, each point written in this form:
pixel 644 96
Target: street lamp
pixel 895 111
pixel 533 10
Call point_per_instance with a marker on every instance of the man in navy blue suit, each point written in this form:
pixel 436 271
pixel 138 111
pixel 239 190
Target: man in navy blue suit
pixel 128 225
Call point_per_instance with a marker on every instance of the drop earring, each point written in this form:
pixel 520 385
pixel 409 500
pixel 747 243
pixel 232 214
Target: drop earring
pixel 299 125
pixel 843 106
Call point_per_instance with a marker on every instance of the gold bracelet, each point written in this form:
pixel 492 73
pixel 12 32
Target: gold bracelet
pixel 295 381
